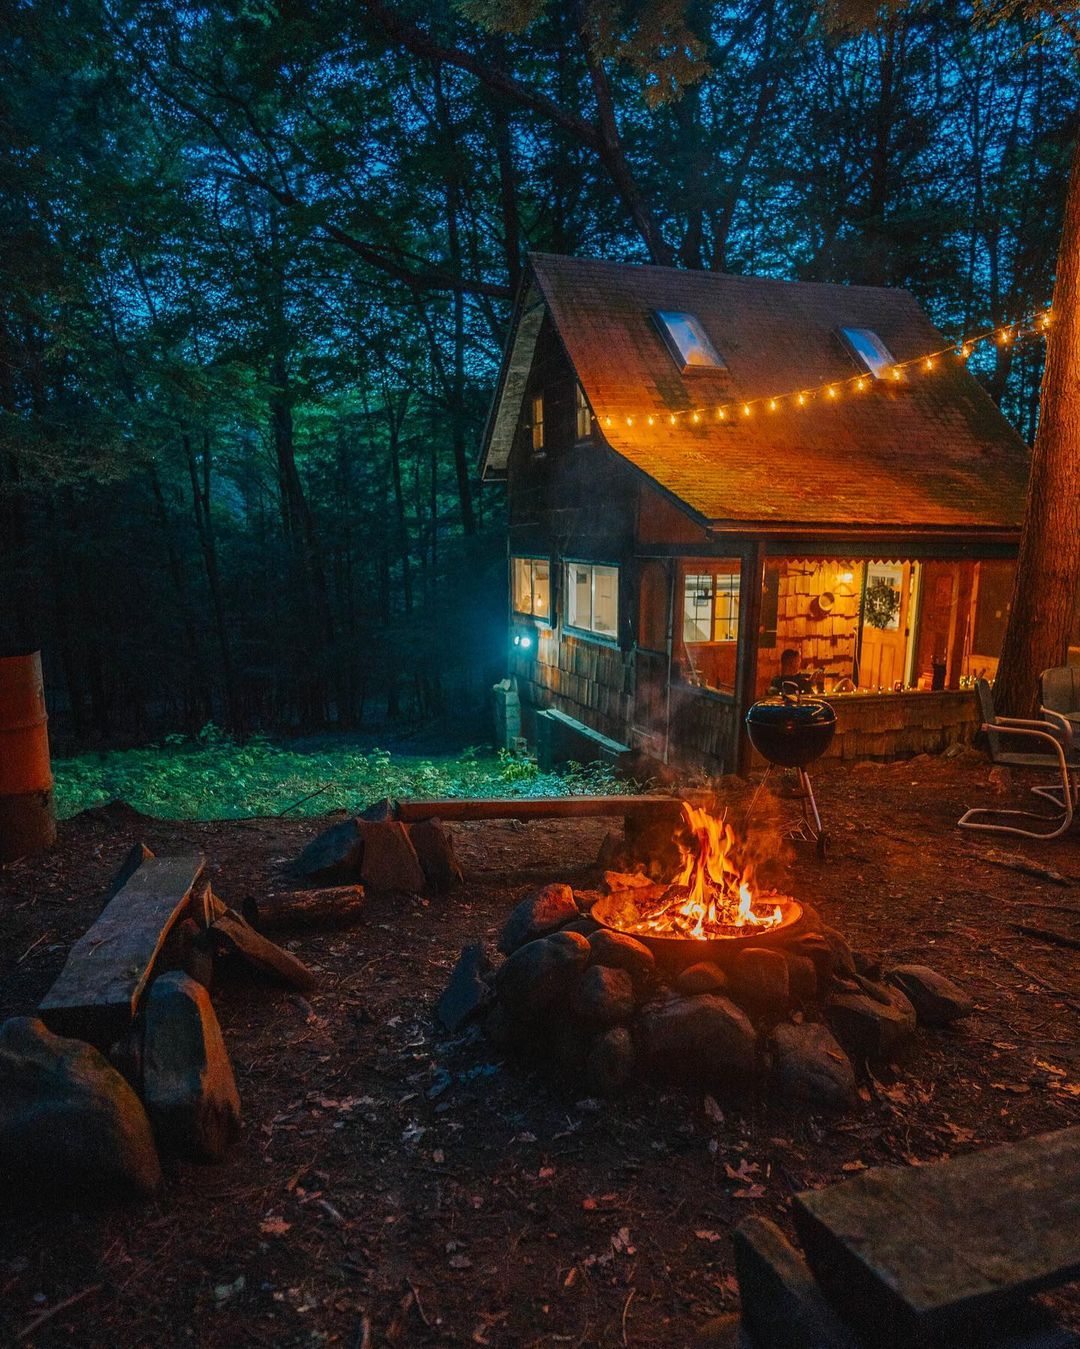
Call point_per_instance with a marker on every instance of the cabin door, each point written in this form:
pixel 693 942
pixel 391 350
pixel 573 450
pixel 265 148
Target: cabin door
pixel 886 628
pixel 652 659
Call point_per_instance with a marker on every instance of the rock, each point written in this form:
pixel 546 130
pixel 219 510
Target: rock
pixel 585 925
pixel 390 859
pixel 187 948
pixel 999 780
pixel 867 965
pixel 336 855
pixel 811 1068
pixel 759 980
pixel 562 1044
pixel 72 1131
pixel 468 993
pixel 869 1026
pixel 538 915
pixel 802 977
pixel 605 996
pixel 610 1064
pixel 586 900
pixel 620 952
pixel 613 852
pixel 842 954
pixel 434 845
pixel 936 999
pixel 704 1039
pixel 704 977
pixel 814 947
pixel 188 1085
pixel 542 973
pixel 783 1305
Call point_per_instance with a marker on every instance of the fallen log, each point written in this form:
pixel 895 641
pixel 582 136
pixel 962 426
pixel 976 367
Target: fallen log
pixel 332 906
pixel 1047 935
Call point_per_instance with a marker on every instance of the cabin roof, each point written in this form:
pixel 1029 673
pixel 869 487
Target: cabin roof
pixel 933 452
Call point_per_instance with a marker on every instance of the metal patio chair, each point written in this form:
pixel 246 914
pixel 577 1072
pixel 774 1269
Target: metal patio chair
pixel 1054 735
pixel 1059 690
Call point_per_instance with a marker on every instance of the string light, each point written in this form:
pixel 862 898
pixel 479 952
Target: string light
pixel 928 362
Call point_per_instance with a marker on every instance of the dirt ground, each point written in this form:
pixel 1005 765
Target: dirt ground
pixel 397 1186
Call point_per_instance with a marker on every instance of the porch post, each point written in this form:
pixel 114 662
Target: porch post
pixel 750 586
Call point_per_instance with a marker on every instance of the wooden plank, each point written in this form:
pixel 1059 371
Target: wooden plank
pixel 931 1252
pixel 540 808
pixel 109 967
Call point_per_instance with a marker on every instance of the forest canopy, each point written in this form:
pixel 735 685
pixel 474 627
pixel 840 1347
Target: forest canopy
pixel 258 262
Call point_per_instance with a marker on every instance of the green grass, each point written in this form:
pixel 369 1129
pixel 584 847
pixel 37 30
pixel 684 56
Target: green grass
pixel 214 778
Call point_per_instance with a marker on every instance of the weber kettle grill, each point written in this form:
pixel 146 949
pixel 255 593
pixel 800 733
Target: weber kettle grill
pixel 790 730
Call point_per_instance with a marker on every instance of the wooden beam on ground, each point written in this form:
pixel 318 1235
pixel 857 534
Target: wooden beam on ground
pixel 451 810
pixel 109 967
pixel 932 1254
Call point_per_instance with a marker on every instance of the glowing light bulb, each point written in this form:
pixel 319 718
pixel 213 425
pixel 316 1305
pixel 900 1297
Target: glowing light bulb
pixel 607 421
pixel 928 364
pixel 896 372
pixel 832 392
pixel 801 400
pixel 721 413
pixel 1003 337
pixel 671 419
pixel 696 417
pixel 772 404
pixel 650 420
pixel 629 421
pixel 860 384
pixel 746 409
pixel 965 350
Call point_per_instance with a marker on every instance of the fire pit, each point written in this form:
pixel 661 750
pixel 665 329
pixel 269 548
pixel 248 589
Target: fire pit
pixel 710 911
pixel 708 977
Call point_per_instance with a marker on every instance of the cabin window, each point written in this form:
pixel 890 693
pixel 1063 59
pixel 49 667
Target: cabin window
pixel 584 415
pixel 538 422
pixel 592 598
pixel 687 341
pixel 870 351
pixel 711 606
pixel 531 586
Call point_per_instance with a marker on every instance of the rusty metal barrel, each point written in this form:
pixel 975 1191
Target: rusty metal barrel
pixel 27 810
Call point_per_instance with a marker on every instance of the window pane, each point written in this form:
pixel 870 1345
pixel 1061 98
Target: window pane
pixel 869 350
pixel 522 585
pixel 605 600
pixel 541 593
pixel 687 341
pixel 584 416
pixel 726 611
pixel 697 608
pixel 538 422
pixel 578 595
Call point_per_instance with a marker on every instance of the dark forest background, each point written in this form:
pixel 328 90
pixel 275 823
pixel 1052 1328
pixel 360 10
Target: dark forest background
pixel 257 262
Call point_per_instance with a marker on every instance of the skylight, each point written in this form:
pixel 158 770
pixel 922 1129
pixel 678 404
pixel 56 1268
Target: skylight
pixel 869 351
pixel 685 339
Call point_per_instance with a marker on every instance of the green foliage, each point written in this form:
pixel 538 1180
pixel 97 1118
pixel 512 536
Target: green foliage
pixel 882 604
pixel 211 777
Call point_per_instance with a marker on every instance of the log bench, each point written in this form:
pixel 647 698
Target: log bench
pixel 945 1254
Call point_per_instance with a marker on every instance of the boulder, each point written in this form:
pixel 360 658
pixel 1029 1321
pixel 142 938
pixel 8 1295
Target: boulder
pixel 188 1085
pixel 936 999
pixel 814 947
pixel 811 1068
pixel 802 977
pixel 72 1131
pixel 434 846
pixel 617 951
pixel 843 956
pixel 604 996
pixel 336 855
pixel 759 980
pixel 585 925
pixel 869 966
pixel 542 973
pixel 870 1026
pixel 468 993
pixel 610 1064
pixel 538 915
pixel 704 977
pixel 613 851
pixel 704 1039
pixel 390 859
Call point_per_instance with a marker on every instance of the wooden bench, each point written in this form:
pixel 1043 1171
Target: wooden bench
pixel 938 1255
pixel 110 966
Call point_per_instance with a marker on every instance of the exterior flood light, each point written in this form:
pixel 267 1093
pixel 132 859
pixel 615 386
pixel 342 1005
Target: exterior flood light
pixel 523 640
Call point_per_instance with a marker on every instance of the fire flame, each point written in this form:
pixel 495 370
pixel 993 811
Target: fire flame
pixel 713 895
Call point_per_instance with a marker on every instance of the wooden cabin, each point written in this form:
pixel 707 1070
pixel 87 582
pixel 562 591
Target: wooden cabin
pixel 708 471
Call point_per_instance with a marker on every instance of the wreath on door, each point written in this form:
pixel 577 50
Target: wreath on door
pixel 882 604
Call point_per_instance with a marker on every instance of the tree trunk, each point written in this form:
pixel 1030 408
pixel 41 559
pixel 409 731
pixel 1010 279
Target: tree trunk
pixel 1048 570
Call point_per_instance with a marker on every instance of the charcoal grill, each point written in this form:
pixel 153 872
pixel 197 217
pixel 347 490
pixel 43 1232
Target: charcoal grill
pixel 792 731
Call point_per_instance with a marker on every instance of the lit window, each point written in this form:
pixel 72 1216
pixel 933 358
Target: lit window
pixel 869 351
pixel 687 342
pixel 531 586
pixel 538 422
pixel 711 607
pixel 584 415
pixel 592 598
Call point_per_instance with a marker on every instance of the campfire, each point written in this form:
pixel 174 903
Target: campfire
pixel 712 897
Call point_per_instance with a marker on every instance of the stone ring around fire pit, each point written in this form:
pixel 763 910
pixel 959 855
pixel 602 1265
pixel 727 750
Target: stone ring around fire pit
pixel 619 912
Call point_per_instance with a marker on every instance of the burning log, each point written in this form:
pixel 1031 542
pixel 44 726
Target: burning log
pixel 332 906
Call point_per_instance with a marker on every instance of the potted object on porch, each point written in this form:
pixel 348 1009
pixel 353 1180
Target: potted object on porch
pixel 27 809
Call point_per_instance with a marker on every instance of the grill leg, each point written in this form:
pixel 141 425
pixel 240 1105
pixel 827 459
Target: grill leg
pixel 809 805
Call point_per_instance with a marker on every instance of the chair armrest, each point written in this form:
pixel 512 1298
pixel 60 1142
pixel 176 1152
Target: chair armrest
pixel 1059 723
pixel 1034 730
